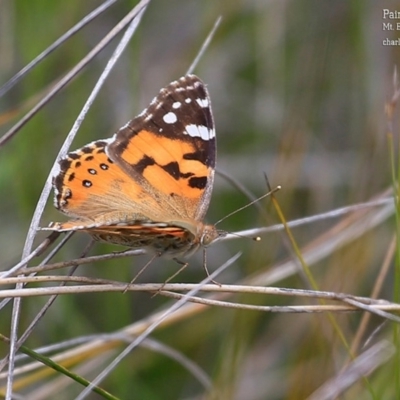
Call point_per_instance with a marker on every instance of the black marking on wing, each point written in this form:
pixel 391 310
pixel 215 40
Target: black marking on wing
pixel 143 164
pixel 198 182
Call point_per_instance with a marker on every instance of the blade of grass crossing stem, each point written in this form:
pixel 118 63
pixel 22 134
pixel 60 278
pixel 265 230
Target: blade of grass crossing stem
pixel 314 285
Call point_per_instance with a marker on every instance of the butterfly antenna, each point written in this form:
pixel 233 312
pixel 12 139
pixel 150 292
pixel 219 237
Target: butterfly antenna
pixel 271 192
pixel 224 233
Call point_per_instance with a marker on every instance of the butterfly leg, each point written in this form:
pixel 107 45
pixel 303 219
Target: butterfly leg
pixel 184 265
pixel 140 272
pixel 206 269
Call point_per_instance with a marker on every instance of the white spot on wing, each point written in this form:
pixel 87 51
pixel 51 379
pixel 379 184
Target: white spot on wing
pixel 143 113
pixel 177 104
pixel 187 101
pixel 202 102
pixel 200 131
pixel 170 118
pixel 127 124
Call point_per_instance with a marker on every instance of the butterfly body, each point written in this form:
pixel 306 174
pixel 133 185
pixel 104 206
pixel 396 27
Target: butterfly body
pixel 149 186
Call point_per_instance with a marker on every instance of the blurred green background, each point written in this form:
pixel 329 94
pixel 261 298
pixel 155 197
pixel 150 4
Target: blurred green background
pixel 298 90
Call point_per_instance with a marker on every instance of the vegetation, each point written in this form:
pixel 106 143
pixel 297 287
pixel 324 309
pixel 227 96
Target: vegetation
pixel 304 92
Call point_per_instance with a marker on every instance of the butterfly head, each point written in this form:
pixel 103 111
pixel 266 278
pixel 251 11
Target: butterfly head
pixel 209 235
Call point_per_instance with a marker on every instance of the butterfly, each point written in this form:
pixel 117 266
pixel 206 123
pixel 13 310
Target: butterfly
pixel 149 186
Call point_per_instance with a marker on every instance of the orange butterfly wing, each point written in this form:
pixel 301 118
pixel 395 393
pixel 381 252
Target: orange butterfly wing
pixel 170 148
pixel 152 181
